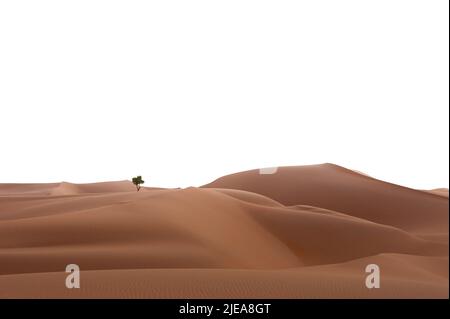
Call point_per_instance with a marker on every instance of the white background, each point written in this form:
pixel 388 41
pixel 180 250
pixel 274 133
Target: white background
pixel 182 92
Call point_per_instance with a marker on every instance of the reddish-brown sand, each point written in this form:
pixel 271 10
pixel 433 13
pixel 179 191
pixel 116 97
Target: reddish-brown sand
pixel 302 232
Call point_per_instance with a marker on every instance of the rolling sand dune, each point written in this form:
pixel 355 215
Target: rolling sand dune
pixel 65 188
pixel 336 188
pixel 440 191
pixel 303 232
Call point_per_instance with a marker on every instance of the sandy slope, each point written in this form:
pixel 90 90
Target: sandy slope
pixel 305 232
pixel 336 188
pixel 440 191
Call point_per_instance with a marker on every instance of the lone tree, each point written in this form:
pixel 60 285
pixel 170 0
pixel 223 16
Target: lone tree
pixel 138 181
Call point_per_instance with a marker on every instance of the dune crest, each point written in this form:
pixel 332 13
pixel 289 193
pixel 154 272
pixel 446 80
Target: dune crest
pixel 439 191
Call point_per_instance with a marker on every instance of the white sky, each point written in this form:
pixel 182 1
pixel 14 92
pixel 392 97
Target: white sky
pixel 182 92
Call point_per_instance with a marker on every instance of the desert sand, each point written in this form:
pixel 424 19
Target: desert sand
pixel 301 232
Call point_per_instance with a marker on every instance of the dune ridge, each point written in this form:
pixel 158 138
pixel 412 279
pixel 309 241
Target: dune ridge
pixel 302 232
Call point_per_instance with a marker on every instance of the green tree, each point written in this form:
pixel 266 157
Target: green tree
pixel 138 181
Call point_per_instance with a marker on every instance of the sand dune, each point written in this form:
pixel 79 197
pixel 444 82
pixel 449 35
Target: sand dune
pixel 401 278
pixel 303 232
pixel 336 188
pixel 440 191
pixel 65 188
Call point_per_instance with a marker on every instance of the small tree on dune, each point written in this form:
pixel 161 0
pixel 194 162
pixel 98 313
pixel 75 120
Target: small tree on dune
pixel 138 181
